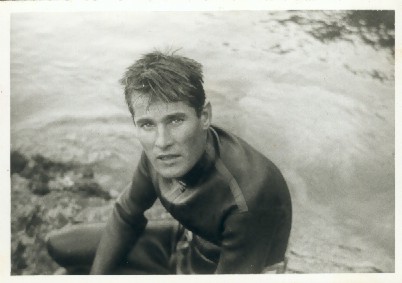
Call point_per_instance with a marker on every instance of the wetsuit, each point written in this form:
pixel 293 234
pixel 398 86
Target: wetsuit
pixel 234 202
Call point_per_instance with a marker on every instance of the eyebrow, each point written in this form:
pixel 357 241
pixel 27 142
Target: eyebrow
pixel 166 118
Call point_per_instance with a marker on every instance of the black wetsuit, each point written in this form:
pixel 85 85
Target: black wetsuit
pixel 234 201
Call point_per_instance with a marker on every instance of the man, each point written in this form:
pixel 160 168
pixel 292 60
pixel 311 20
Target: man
pixel 231 203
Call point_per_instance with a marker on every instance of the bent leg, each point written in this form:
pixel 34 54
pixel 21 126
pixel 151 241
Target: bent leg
pixel 154 251
pixel 75 247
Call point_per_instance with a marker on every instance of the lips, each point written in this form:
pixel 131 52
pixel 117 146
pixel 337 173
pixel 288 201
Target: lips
pixel 167 157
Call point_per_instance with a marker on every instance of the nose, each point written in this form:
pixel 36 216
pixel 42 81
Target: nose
pixel 163 137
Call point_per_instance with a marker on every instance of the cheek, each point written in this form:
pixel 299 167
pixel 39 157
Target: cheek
pixel 189 138
pixel 146 139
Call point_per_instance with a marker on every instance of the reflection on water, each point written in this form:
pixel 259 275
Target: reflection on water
pixel 314 91
pixel 373 28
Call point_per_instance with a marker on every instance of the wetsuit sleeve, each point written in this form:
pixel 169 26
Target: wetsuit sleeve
pixel 127 221
pixel 246 242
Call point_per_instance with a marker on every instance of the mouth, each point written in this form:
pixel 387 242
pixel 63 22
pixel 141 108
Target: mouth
pixel 167 157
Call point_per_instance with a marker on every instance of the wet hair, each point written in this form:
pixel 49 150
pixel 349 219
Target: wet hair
pixel 166 77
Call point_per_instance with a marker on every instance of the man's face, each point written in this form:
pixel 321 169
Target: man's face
pixel 172 135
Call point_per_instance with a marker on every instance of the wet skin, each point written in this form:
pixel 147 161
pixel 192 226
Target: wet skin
pixel 172 135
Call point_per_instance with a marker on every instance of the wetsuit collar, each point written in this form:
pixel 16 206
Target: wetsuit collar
pixel 202 167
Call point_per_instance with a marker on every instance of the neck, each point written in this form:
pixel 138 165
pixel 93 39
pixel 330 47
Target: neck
pixel 202 166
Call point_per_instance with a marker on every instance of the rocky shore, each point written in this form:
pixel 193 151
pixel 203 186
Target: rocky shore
pixel 48 195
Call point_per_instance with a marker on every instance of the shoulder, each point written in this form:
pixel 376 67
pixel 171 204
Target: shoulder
pixel 236 151
pixel 253 176
pixel 241 159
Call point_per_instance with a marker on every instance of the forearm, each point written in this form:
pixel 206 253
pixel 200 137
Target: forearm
pixel 112 249
pixel 126 223
pixel 116 241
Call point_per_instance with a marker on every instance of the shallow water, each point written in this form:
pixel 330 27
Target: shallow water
pixel 322 110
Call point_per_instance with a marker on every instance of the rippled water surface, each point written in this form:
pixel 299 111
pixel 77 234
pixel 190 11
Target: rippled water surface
pixel 312 91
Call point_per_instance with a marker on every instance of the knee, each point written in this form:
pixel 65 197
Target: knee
pixel 58 246
pixel 58 249
pixel 54 245
pixel 74 245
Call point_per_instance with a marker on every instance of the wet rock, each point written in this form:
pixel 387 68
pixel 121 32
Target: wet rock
pixel 17 257
pixel 88 173
pixel 18 162
pixel 61 183
pixel 49 165
pixel 38 186
pixel 19 183
pixel 46 196
pixel 33 219
pixel 90 188
pixel 94 215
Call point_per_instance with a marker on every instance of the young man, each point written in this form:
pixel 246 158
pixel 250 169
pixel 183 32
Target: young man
pixel 231 203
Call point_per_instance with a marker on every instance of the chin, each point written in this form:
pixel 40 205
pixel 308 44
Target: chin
pixel 171 173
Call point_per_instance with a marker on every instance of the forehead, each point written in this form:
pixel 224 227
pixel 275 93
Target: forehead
pixel 145 108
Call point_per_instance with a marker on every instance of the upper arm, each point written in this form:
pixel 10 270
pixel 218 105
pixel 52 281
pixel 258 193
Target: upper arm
pixel 126 223
pixel 138 197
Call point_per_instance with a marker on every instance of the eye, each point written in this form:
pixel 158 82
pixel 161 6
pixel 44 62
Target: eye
pixel 146 126
pixel 177 121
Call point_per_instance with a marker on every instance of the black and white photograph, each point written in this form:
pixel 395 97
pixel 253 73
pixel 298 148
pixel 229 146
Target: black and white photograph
pixel 202 142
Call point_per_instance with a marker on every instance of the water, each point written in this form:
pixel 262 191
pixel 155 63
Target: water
pixel 319 104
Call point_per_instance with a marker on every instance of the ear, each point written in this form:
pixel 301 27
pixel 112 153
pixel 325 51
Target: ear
pixel 206 115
